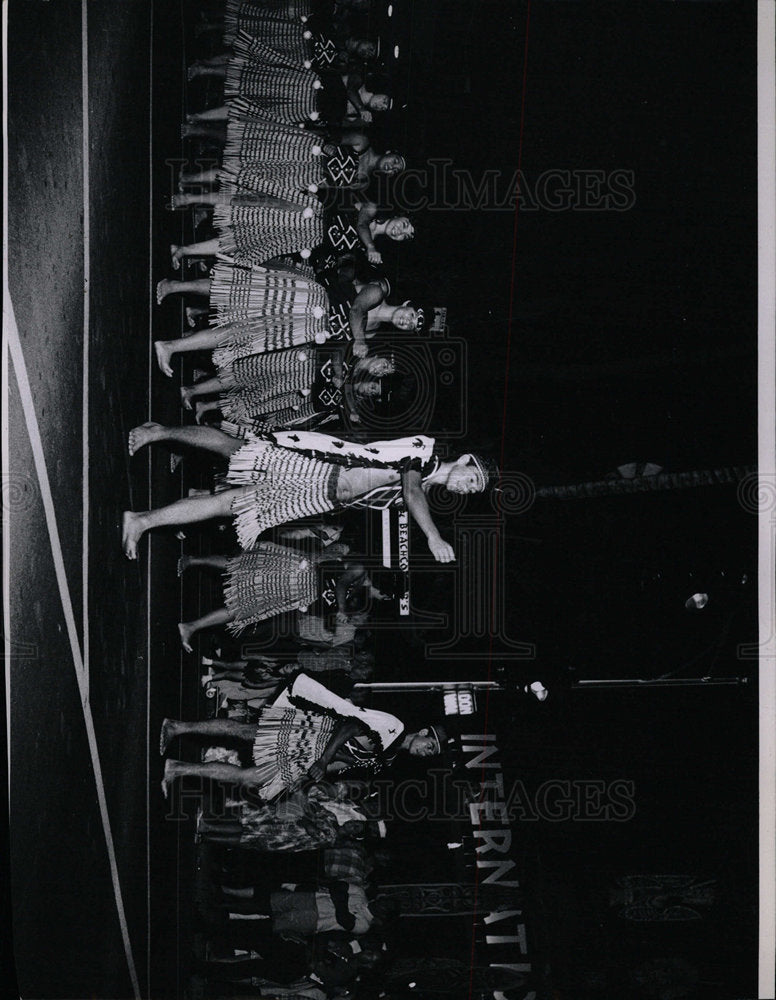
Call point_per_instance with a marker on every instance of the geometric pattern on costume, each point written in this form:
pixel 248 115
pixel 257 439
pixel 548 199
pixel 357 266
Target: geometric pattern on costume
pixel 283 93
pixel 270 23
pixel 341 232
pixel 286 486
pixel 325 52
pixel 253 230
pixel 288 742
pixel 267 581
pixel 259 149
pixel 264 309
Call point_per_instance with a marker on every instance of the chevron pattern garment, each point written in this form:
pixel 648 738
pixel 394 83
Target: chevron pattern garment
pixel 286 486
pixel 259 149
pixel 265 310
pixel 270 580
pixel 274 375
pixel 284 94
pixel 288 742
pixel 253 234
pixel 277 23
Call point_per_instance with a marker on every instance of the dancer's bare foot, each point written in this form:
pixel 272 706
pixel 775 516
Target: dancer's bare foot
pixel 163 355
pixel 183 564
pixel 200 411
pixel 186 631
pixel 179 201
pixel 192 315
pixel 163 289
pixel 176 256
pixel 170 774
pixel 141 436
pixel 166 735
pixel 131 533
pixel 186 391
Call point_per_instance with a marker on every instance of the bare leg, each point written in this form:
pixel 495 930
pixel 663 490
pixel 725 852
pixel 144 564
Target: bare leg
pixel 227 665
pixel 207 248
pixel 211 114
pixel 202 69
pixel 201 340
pixel 206 729
pixel 189 510
pixel 229 774
pixel 207 387
pixel 207 562
pixel 194 314
pixel 205 176
pixel 220 59
pixel 201 410
pixel 215 133
pixel 199 286
pixel 205 438
pixel 212 620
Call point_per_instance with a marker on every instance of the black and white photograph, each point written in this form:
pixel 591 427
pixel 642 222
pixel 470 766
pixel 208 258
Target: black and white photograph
pixel 388 499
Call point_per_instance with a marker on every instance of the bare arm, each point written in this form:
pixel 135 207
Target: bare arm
pixel 371 295
pixel 417 505
pixel 345 731
pixel 367 213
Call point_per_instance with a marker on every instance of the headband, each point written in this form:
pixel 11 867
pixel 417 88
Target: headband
pixel 439 734
pixel 486 468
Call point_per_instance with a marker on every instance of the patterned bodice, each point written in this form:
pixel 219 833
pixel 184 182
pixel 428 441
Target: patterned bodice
pixel 342 166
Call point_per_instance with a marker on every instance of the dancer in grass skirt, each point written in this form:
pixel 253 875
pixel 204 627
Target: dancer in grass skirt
pixel 261 309
pixel 307 734
pixel 289 388
pixel 252 233
pixel 267 581
pixel 299 474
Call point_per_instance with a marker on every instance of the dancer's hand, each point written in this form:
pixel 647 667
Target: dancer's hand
pixel 360 350
pixel 374 256
pixel 441 550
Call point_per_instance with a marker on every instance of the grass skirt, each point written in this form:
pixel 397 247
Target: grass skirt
pixel 270 580
pixel 288 742
pixel 287 485
pixel 283 93
pixel 265 310
pixel 277 23
pixel 259 150
pixel 253 230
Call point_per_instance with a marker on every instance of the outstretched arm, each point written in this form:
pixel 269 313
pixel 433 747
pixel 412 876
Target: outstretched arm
pixel 417 505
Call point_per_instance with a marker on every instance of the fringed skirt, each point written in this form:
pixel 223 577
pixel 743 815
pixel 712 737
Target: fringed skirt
pixel 265 310
pixel 286 486
pixel 286 94
pixel 267 377
pixel 256 228
pixel 244 425
pixel 271 580
pixel 277 23
pixel 259 150
pixel 288 742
